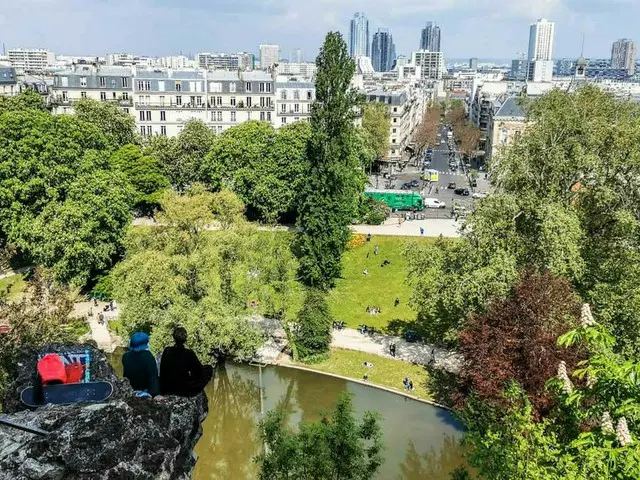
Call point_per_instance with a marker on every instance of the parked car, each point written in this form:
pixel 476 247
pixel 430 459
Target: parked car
pixel 415 183
pixel 406 186
pixel 434 203
pixel 479 195
pixel 462 191
pixel 451 185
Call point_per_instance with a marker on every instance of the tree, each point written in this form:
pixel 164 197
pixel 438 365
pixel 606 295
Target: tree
pixel 334 184
pixel 336 448
pixel 427 131
pixel 456 116
pixel 41 315
pixel 145 175
pixel 118 127
pixel 468 136
pixel 376 121
pixel 313 334
pixel 183 274
pixel 29 99
pixel 182 157
pixel 516 341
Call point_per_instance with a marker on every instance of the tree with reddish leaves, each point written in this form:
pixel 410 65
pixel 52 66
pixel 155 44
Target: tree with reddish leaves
pixel 517 340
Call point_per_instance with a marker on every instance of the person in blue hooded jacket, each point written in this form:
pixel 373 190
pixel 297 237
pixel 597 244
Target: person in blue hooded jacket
pixel 139 366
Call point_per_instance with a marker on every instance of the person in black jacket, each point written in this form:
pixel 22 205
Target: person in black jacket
pixel 181 373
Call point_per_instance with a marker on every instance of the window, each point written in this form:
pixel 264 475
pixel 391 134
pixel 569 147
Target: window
pixel 262 87
pixel 126 110
pixel 148 115
pixel 161 100
pixel 149 130
pixel 395 109
pixel 64 81
pixel 125 82
pixel 219 101
pixel 283 95
pixel 284 120
pixel 65 96
pixel 102 82
pixel 296 119
pixel 504 135
pixel 198 100
pixel 64 109
pixel 219 129
pixel 308 107
pixel 213 116
pixel 178 100
pixel 248 87
pixel 163 116
pixel 262 102
pixel 103 96
pixel 161 85
pixel 268 101
pixel 283 108
pixel 113 95
pixel 309 95
pixel 394 130
pixel 142 130
pixel 249 115
pixel 233 116
pixel 296 94
pixel 232 87
pixel 192 100
pixel 393 140
pixel 125 95
pixel 248 102
pixel 262 116
pixel 296 108
pixel 178 86
pixel 144 85
pixel 163 130
pixel 219 116
pixel 83 94
pixel 233 101
pixel 216 87
pixel 516 135
pixel 395 120
pixel 141 115
pixel 268 88
pixel 268 116
pixel 83 81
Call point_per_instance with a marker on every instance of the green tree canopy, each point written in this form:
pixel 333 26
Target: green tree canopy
pixel 335 182
pixel 376 121
pixel 117 127
pixel 336 448
pixel 313 332
pixel 26 100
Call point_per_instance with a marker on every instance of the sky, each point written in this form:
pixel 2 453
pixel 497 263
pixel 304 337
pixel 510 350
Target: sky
pixel 470 28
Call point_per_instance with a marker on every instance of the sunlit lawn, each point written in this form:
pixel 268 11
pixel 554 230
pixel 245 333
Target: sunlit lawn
pixel 14 284
pixel 355 291
pixel 385 371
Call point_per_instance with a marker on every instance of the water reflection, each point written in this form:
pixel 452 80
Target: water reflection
pixel 421 442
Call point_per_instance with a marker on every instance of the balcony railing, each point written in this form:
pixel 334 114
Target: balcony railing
pixel 202 106
pixel 290 113
pixel 122 102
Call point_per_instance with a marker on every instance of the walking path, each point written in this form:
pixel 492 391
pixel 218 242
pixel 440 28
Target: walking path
pixel 378 344
pixel 99 331
pixel 17 271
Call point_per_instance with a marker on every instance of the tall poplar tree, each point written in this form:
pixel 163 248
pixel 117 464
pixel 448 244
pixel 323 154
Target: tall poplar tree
pixel 329 197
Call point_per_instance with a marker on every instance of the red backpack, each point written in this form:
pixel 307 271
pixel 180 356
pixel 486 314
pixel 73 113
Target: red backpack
pixel 51 369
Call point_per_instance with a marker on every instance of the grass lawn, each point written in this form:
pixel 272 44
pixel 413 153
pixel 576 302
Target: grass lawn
pixel 355 291
pixel 385 371
pixel 14 284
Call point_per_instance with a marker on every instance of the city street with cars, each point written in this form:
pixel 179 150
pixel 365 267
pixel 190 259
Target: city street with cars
pixel 452 188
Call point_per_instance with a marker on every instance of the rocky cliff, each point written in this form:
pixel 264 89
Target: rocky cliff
pixel 122 438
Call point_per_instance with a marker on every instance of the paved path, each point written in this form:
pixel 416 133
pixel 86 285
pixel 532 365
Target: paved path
pixel 378 344
pixel 11 273
pixel 99 331
pixel 433 227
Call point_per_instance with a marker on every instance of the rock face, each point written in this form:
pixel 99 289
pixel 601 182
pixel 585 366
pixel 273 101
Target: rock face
pixel 122 438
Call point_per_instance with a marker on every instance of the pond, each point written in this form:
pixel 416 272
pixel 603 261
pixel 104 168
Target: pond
pixel 421 441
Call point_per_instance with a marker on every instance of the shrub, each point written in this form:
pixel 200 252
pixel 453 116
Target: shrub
pixel 314 325
pixel 357 240
pixel 374 212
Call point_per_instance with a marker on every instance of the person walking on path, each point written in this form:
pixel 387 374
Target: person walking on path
pixel 392 349
pixel 421 231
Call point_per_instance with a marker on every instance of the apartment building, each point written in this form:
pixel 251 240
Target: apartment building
pixel 406 104
pixel 430 65
pixel 102 83
pixel 30 60
pixel 8 82
pixel 506 125
pixel 294 100
pixel 303 69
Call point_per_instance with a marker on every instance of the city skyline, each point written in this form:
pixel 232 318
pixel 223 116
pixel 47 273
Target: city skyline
pixel 482 29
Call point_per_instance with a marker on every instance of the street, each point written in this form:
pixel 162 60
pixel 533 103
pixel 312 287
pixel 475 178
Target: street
pixel 447 175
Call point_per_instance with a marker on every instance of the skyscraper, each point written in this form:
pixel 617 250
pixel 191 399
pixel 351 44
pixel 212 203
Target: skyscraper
pixel 430 38
pixel 296 56
pixel 540 65
pixel 623 55
pixel 383 50
pixel 269 55
pixel 359 36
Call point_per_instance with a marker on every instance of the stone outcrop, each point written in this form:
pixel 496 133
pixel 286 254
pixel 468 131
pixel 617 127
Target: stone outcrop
pixel 122 438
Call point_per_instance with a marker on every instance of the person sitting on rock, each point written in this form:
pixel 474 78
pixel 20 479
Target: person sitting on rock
pixel 140 367
pixel 181 373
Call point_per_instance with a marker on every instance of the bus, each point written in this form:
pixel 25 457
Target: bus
pixel 397 199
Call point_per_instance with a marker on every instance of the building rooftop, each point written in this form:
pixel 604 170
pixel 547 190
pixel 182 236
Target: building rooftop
pixel 223 75
pixel 294 84
pixel 7 75
pixel 511 109
pixel 257 75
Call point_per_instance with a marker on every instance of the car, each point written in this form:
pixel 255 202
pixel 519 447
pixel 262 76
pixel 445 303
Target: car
pixel 451 185
pixel 479 195
pixel 406 186
pixel 434 203
pixel 415 183
pixel 462 191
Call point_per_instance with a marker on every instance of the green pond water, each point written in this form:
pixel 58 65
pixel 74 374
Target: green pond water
pixel 421 441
